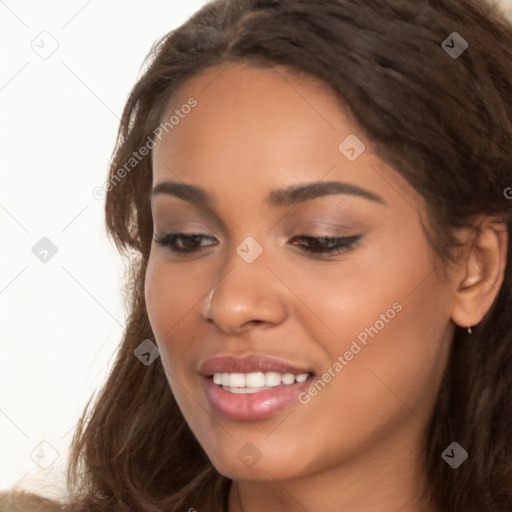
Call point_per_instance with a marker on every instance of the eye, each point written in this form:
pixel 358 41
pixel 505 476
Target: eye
pixel 328 245
pixel 190 242
pixel 316 245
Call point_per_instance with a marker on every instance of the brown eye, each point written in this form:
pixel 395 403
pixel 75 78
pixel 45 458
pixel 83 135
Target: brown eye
pixel 329 245
pixel 189 242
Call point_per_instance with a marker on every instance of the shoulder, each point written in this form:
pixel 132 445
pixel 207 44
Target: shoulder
pixel 24 501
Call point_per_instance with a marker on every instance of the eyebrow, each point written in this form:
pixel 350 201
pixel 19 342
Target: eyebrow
pixel 282 197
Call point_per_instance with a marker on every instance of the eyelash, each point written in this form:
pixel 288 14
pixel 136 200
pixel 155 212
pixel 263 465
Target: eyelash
pixel 341 244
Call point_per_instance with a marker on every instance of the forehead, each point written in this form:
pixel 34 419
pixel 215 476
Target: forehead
pixel 266 127
pixel 241 108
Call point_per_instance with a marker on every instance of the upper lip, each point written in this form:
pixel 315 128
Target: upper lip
pixel 248 364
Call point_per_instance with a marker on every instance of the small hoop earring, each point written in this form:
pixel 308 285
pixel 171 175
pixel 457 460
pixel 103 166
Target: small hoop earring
pixel 469 330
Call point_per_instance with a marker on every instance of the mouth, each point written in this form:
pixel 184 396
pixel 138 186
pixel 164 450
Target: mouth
pixel 252 388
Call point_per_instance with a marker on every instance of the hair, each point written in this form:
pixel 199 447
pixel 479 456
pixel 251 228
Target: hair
pixel 445 124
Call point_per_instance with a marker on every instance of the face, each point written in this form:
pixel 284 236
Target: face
pixel 337 286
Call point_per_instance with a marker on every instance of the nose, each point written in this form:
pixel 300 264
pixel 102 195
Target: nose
pixel 243 296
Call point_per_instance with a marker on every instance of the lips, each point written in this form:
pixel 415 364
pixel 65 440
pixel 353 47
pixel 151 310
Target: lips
pixel 248 364
pixel 259 404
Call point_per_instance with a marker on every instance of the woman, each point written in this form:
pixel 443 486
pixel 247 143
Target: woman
pixel 315 197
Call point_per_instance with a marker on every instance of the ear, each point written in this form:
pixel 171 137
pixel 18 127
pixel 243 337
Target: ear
pixel 481 272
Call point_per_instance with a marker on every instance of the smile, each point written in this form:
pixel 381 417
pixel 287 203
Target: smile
pixel 255 381
pixel 252 387
pixel 248 403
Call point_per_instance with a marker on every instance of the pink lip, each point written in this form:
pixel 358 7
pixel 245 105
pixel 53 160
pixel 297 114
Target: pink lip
pixel 247 364
pixel 250 406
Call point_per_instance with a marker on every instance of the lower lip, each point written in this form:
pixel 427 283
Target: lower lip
pixel 252 406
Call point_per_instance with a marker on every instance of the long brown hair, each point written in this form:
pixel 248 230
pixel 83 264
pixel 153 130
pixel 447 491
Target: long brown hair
pixel 444 123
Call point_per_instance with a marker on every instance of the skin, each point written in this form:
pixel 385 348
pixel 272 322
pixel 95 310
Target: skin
pixel 357 444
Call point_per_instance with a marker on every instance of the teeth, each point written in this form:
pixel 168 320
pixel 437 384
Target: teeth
pixel 302 377
pixel 236 380
pixel 256 381
pixel 288 378
pixel 272 379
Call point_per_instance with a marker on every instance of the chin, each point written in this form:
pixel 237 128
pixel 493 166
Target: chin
pixel 251 463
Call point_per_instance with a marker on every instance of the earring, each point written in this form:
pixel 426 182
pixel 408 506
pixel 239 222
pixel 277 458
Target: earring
pixel 469 330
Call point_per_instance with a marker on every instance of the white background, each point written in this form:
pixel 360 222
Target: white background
pixel 61 321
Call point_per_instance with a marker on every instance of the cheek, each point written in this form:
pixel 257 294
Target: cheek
pixel 355 292
pixel 390 379
pixel 171 293
pixel 165 303
pixel 173 298
pixel 391 326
